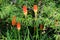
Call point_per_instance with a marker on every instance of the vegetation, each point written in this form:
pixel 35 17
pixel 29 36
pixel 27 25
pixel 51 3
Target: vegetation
pixel 29 19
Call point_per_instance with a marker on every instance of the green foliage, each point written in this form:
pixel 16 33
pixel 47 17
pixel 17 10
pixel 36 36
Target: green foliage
pixel 48 13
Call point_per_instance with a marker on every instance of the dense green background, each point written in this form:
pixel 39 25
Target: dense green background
pixel 48 15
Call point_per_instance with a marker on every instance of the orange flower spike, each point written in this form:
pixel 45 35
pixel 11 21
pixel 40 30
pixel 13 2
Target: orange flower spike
pixel 18 26
pixel 41 27
pixel 14 21
pixel 25 10
pixel 35 8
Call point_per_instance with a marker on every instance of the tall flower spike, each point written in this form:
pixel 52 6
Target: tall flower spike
pixel 25 10
pixel 14 20
pixel 35 8
pixel 18 26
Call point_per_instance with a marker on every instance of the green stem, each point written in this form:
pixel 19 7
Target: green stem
pixel 37 34
pixel 28 33
pixel 25 16
pixel 37 27
pixel 18 35
pixel 25 36
pixel 35 16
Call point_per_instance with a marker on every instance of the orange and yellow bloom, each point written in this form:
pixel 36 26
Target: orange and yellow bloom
pixel 18 26
pixel 14 20
pixel 35 8
pixel 25 10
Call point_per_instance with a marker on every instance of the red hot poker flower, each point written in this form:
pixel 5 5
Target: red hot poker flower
pixel 18 26
pixel 41 27
pixel 14 21
pixel 25 10
pixel 35 8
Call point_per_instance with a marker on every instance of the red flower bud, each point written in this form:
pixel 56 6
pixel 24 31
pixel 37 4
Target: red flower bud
pixel 41 27
pixel 14 21
pixel 18 26
pixel 35 8
pixel 25 10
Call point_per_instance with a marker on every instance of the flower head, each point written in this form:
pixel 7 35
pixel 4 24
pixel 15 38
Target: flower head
pixel 25 10
pixel 18 26
pixel 41 27
pixel 35 8
pixel 14 20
